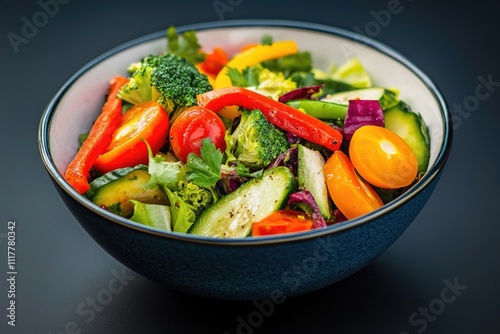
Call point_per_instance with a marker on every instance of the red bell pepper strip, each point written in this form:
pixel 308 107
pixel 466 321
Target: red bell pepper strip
pixel 214 61
pixel 282 221
pixel 98 139
pixel 281 115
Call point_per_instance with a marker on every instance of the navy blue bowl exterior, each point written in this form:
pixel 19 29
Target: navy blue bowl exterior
pixel 278 267
pixel 250 272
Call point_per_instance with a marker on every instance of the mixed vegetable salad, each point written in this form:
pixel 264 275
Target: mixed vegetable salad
pixel 256 143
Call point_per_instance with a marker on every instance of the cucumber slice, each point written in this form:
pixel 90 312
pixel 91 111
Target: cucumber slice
pixel 412 128
pixel 386 97
pixel 115 189
pixel 110 177
pixel 232 216
pixel 312 178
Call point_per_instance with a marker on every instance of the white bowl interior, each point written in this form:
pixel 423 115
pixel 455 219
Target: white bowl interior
pixel 83 100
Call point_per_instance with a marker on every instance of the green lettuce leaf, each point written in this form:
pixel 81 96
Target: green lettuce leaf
pixel 353 73
pixel 165 173
pixel 154 215
pixel 183 216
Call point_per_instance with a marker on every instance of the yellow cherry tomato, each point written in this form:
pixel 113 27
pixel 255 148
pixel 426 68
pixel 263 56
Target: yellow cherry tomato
pixel 382 158
pixel 351 195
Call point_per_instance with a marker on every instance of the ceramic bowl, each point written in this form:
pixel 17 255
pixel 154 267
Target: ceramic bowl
pixel 253 268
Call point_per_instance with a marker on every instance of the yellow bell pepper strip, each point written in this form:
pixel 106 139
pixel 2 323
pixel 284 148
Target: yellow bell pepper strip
pixel 252 56
pixel 279 114
pixel 98 139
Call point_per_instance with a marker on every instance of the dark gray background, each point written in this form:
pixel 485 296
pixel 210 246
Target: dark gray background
pixel 454 239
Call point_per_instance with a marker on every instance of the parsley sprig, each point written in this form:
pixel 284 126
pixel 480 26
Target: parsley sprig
pixel 185 45
pixel 205 170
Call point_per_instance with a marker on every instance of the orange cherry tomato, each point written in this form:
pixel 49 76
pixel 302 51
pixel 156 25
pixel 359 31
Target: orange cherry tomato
pixel 382 158
pixel 147 121
pixel 282 221
pixel 351 195
pixel 191 127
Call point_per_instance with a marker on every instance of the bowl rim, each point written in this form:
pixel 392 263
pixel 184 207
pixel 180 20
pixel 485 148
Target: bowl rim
pixel 431 174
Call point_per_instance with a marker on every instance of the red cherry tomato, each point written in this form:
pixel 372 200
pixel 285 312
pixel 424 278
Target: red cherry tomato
pixel 191 127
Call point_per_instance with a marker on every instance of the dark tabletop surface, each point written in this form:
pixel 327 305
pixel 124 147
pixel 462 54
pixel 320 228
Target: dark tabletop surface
pixel 441 276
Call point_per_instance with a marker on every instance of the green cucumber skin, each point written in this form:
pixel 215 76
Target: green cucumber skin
pixel 232 216
pixel 122 185
pixel 110 177
pixel 311 178
pixel 412 128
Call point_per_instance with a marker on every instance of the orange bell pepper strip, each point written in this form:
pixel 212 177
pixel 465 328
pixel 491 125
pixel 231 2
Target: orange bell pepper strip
pixel 98 139
pixel 279 114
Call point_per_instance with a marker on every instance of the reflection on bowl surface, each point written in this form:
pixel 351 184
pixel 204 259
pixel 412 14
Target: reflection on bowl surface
pixel 250 268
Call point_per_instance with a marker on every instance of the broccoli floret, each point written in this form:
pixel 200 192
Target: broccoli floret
pixel 196 197
pixel 169 79
pixel 139 88
pixel 178 82
pixel 254 142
